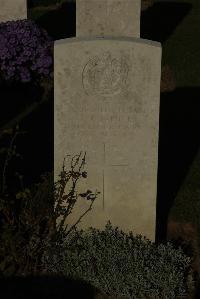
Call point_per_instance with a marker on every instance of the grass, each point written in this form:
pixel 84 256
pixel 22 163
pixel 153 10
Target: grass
pixel 187 205
pixel 181 50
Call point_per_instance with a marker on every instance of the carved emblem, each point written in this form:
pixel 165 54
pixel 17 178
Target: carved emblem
pixel 105 75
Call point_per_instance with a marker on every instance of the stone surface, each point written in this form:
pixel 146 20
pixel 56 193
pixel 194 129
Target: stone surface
pixel 12 10
pixel 108 18
pixel 106 102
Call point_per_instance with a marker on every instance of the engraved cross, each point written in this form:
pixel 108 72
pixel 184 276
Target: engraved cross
pixel 107 165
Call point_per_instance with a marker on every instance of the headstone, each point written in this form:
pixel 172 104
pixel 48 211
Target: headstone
pixel 115 18
pixel 12 10
pixel 106 102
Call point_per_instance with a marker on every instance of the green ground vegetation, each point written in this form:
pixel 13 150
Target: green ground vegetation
pixel 181 50
pixel 187 203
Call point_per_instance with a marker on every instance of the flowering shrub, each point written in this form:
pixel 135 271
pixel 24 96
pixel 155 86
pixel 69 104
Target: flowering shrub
pixel 25 51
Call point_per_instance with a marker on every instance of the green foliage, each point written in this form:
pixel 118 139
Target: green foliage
pixel 120 264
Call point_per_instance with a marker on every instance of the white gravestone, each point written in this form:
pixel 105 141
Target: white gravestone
pixel 12 10
pixel 104 18
pixel 106 102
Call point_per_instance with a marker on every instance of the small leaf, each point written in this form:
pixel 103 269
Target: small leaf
pixel 83 194
pixel 89 191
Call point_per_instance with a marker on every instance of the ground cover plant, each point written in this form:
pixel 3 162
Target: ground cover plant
pixel 119 264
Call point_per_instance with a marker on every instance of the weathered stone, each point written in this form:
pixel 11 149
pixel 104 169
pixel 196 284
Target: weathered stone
pixel 12 10
pixel 106 95
pixel 100 18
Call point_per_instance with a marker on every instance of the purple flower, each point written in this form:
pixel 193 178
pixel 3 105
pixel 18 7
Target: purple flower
pixel 12 40
pixel 46 72
pixel 25 50
pixel 19 61
pixel 48 61
pixel 4 56
pixel 25 41
pixel 26 34
pixel 12 51
pixel 25 78
pixel 33 67
pixel 10 73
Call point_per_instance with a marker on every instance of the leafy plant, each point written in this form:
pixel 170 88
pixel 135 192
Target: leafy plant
pixel 29 220
pixel 120 264
pixel 25 51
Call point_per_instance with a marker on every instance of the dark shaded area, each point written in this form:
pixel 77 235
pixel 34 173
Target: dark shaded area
pixel 15 98
pixel 34 3
pixel 179 140
pixel 198 291
pixel 159 21
pixel 155 25
pixel 35 146
pixel 60 23
pixel 46 287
